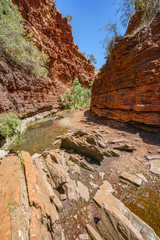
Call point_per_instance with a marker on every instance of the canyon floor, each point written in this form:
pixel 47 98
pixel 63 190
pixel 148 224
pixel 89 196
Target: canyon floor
pixel 94 155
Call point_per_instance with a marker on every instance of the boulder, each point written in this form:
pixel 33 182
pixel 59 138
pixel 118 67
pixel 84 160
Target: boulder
pixel 88 144
pixel 142 177
pixel 155 167
pixel 125 147
pixel 3 153
pixel 72 191
pixel 83 147
pixel 101 175
pixel 93 233
pixel 84 236
pixel 118 222
pixel 152 157
pixel 106 187
pixel 131 178
pixel 59 175
pixel 81 163
pixel 74 168
pixel 83 191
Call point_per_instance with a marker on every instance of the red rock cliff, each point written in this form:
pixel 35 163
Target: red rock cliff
pixel 22 93
pixel 128 85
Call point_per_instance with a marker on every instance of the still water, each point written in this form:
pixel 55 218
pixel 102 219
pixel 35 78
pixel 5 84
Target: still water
pixel 40 136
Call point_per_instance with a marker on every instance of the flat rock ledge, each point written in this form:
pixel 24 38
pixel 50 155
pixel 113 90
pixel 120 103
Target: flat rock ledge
pixel 131 178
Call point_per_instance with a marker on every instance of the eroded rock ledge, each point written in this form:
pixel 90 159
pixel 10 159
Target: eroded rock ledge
pixel 128 86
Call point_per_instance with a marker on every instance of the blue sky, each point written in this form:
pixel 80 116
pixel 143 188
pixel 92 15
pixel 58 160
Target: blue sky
pixel 88 17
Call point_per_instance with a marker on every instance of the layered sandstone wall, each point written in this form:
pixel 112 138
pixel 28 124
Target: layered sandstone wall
pixel 20 92
pixel 128 85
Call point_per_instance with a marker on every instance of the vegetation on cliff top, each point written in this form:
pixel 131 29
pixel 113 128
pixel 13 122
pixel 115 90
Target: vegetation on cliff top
pixel 126 9
pixel 14 42
pixel 69 18
pixel 90 57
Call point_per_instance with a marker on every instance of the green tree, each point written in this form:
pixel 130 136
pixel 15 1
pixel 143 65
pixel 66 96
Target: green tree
pixel 77 96
pixel 77 93
pixel 15 44
pixel 92 58
pixel 69 18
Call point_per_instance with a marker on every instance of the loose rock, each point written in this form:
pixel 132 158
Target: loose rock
pixel 83 191
pixel 155 167
pixel 131 178
pixel 125 147
pixel 93 233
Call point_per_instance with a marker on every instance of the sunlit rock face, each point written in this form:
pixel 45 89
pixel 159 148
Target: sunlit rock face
pixel 128 86
pixel 20 91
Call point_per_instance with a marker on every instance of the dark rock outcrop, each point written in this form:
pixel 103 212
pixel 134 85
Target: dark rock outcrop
pixel 88 144
pixel 20 92
pixel 128 85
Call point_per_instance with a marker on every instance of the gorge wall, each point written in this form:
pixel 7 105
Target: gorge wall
pixel 127 87
pixel 20 92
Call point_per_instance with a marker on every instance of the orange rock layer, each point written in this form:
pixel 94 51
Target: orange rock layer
pixel 128 86
pixel 20 92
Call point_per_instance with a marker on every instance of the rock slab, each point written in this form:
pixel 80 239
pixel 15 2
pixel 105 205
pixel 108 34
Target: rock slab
pixel 118 222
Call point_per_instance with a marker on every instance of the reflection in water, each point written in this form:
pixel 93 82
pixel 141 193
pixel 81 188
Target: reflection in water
pixel 40 136
pixel 144 202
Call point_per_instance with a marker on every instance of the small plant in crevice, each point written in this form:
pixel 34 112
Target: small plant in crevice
pixel 9 124
pixel 22 163
pixel 69 18
pixel 76 97
pixel 10 206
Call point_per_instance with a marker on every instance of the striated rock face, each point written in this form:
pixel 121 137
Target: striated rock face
pixel 19 90
pixel 128 85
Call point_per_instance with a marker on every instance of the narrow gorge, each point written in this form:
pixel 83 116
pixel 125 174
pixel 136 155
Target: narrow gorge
pixel 69 170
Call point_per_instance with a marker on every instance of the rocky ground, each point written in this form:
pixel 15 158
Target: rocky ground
pixel 72 192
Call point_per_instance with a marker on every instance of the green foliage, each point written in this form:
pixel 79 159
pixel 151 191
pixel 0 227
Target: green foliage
pixel 69 18
pixel 109 42
pixel 76 97
pixel 91 57
pixel 15 44
pixel 10 206
pixel 9 124
pixel 22 163
pixel 18 139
